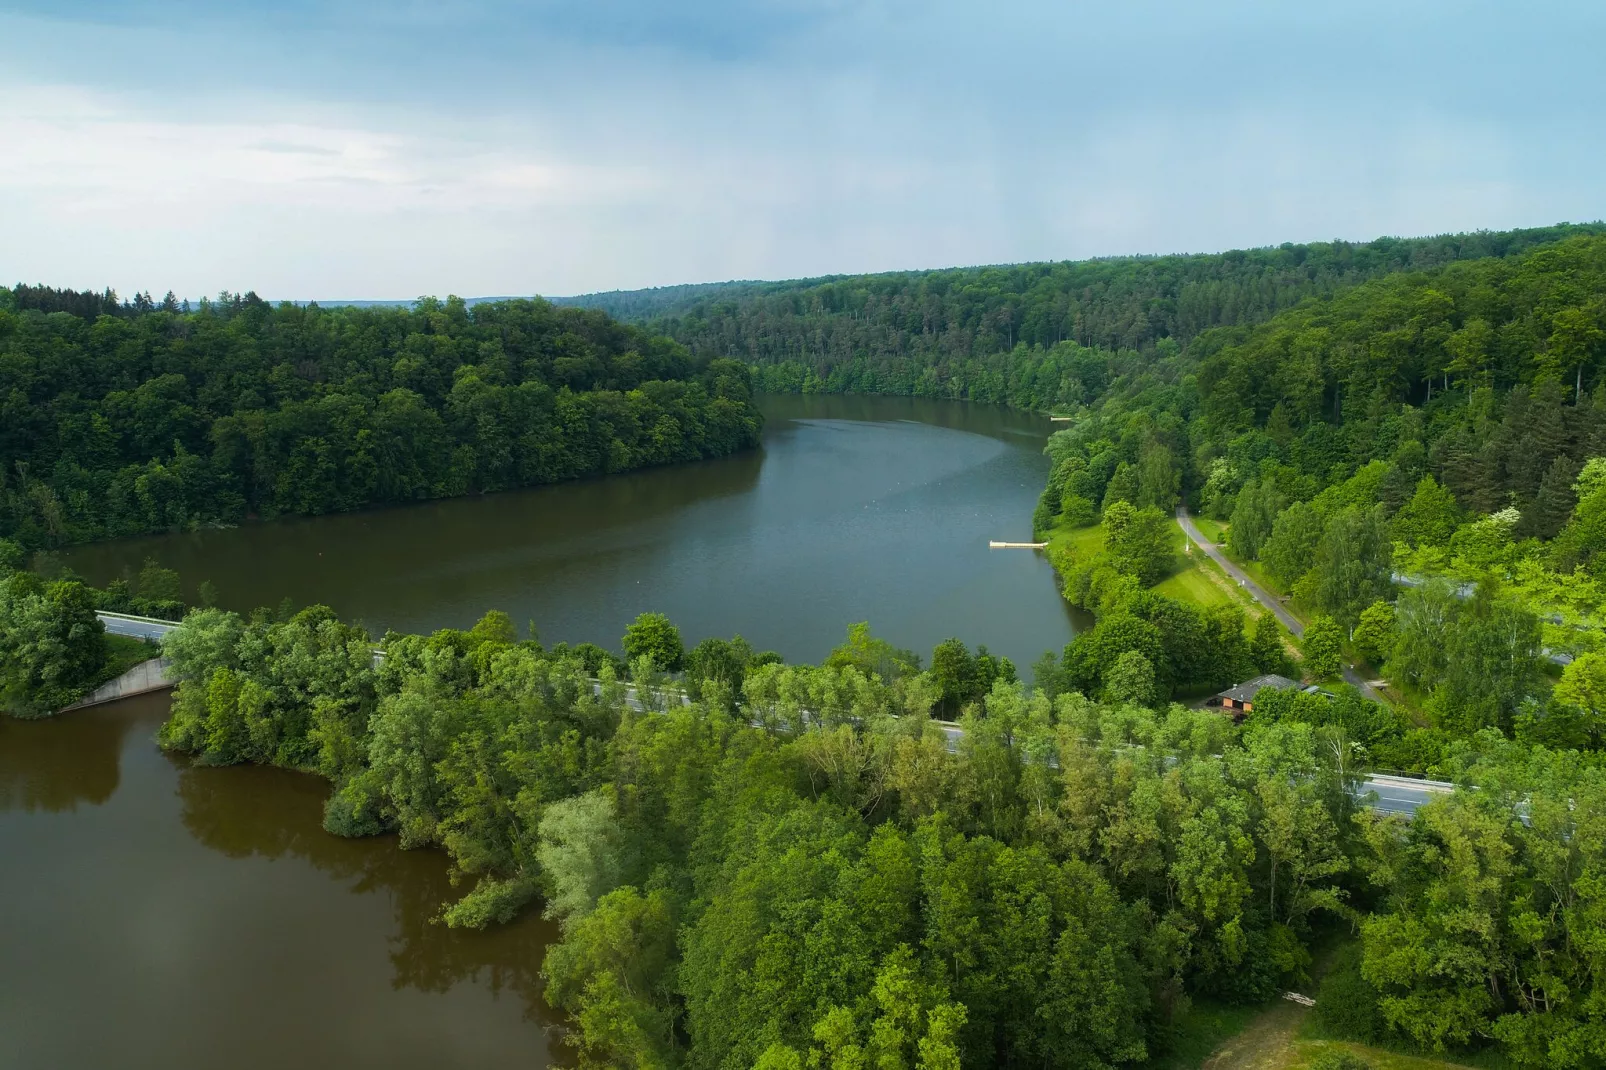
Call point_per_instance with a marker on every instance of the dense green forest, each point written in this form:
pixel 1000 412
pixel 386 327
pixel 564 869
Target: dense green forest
pixel 757 864
pixel 995 333
pixel 120 419
pixel 797 868
pixel 1426 425
pixel 1419 463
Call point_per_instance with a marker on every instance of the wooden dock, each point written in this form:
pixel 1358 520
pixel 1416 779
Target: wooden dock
pixel 994 544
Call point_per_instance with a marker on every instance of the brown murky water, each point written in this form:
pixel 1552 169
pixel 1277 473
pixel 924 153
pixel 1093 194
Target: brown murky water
pixel 161 915
pixel 856 508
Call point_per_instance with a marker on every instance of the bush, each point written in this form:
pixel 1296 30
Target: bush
pixel 1346 1005
pixel 1078 512
pixel 651 635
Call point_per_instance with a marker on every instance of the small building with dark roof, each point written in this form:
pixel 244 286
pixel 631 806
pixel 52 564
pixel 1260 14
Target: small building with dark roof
pixel 1241 698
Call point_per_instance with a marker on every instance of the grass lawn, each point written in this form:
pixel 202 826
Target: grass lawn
pixel 123 653
pixel 1083 542
pixel 1214 530
pixel 1279 1036
pixel 1302 1052
pixel 1193 584
pixel 1195 580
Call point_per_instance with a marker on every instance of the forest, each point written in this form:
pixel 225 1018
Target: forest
pixel 991 333
pixel 794 867
pixel 121 419
pixel 756 864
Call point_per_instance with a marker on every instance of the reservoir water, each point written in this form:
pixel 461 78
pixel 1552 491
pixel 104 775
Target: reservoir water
pixel 163 915
pixel 856 508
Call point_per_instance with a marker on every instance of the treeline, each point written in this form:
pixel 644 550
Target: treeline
pixel 943 333
pixel 153 418
pixel 797 867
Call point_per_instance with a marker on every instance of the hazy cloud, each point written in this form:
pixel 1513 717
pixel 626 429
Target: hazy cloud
pixel 354 149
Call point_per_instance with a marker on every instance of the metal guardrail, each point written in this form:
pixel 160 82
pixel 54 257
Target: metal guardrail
pixel 135 617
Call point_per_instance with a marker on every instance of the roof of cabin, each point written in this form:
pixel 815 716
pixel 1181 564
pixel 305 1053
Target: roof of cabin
pixel 1246 691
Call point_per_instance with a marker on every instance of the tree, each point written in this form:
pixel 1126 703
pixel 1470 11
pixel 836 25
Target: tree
pixel 580 855
pixel 1583 685
pixel 651 635
pixel 1130 680
pixel 1583 540
pixel 1092 654
pixel 1374 633
pixel 1323 647
pixel 1266 647
pixel 1554 502
pixel 52 646
pixel 1158 478
pixel 1429 518
pixel 953 669
pixel 1292 547
pixel 205 641
pixel 1141 542
pixel 1123 487
pixel 1352 566
pixel 1253 517
pixel 872 654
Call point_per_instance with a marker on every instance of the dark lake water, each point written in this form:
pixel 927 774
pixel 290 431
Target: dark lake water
pixel 161 915
pixel 856 508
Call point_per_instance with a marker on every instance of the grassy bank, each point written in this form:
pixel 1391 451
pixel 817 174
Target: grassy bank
pixel 123 653
pixel 1194 578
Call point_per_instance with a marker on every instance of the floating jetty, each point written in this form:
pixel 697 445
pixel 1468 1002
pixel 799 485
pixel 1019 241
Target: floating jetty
pixel 1062 419
pixel 994 544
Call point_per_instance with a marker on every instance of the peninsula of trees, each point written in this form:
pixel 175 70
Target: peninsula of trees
pixel 122 419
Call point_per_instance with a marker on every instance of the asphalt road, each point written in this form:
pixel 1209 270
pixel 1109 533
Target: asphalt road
pixel 1395 795
pixel 1295 626
pixel 1402 795
pixel 137 627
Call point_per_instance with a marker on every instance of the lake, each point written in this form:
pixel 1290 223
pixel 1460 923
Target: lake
pixel 855 508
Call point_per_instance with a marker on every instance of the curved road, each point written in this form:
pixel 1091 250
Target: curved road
pixel 1295 626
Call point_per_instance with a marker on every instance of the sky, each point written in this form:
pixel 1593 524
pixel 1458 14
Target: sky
pixel 354 149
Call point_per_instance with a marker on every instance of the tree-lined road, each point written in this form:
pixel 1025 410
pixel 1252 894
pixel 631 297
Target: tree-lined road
pixel 1295 626
pixel 1395 795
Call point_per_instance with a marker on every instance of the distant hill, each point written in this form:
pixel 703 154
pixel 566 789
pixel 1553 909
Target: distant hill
pixel 1130 302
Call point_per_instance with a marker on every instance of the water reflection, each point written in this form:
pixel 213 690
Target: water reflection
pixel 250 812
pixel 53 766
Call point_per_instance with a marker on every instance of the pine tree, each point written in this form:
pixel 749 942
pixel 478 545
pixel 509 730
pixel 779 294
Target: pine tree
pixel 1555 501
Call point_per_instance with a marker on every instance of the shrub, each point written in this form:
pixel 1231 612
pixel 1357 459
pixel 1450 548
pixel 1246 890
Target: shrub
pixel 1346 1004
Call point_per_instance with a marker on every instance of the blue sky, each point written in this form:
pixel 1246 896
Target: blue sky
pixel 351 149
